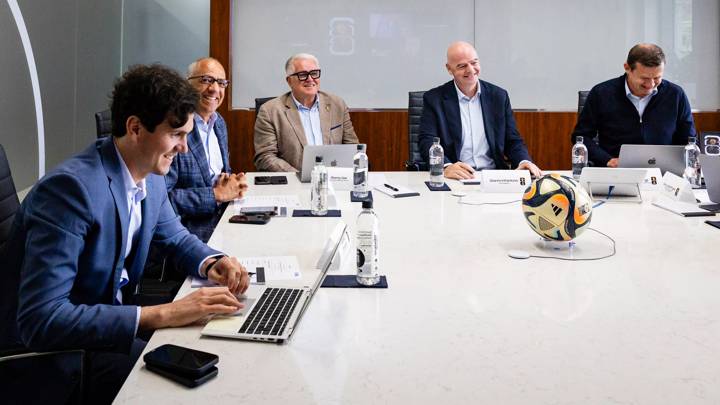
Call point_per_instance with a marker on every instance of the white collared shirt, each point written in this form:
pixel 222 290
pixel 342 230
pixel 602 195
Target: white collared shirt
pixel 135 193
pixel 310 118
pixel 475 146
pixel 639 102
pixel 211 145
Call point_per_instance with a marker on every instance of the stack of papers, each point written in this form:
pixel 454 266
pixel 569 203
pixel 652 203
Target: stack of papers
pixel 274 267
pixel 681 208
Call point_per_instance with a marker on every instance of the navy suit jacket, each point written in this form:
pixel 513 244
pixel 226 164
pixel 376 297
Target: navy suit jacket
pixel 666 120
pixel 441 118
pixel 66 254
pixel 190 185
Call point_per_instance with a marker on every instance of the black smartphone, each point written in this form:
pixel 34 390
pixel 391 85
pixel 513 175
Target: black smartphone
pixel 181 360
pixel 256 219
pixel 191 381
pixel 265 180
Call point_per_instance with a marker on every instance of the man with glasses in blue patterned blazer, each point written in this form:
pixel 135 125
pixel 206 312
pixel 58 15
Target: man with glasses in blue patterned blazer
pixel 200 183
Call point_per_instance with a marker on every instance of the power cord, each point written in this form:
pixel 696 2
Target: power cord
pixel 583 259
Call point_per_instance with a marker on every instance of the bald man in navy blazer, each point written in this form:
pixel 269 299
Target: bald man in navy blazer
pixel 473 120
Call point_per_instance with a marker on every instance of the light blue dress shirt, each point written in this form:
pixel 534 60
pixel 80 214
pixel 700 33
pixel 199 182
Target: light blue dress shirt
pixel 475 147
pixel 310 118
pixel 211 145
pixel 639 102
pixel 135 193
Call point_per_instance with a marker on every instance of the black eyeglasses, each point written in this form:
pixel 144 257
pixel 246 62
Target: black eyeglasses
pixel 302 76
pixel 209 80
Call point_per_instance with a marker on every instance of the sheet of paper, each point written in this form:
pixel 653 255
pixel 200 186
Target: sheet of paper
pixel 276 268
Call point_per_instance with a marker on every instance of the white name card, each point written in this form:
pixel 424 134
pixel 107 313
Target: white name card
pixel 341 178
pixel 653 180
pixel 505 181
pixel 677 188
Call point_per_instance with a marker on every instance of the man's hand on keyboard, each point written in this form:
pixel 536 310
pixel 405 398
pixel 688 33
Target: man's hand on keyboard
pixel 192 307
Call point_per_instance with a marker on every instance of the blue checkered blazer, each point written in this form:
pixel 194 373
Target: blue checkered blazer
pixel 190 185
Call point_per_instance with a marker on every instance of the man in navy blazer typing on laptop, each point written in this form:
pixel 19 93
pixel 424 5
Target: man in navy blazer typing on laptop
pixel 81 237
pixel 638 107
pixel 473 120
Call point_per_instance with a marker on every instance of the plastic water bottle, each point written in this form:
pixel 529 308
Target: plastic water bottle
pixel 367 246
pixel 692 162
pixel 319 188
pixel 579 157
pixel 360 173
pixel 437 160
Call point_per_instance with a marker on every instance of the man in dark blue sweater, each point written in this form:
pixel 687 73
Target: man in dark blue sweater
pixel 635 108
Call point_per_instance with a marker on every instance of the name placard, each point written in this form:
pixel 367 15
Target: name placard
pixel 677 188
pixel 653 180
pixel 341 178
pixel 505 181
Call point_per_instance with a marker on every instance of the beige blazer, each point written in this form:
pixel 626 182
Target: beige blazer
pixel 279 136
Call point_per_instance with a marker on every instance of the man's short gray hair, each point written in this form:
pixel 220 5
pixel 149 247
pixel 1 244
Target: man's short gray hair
pixel 290 69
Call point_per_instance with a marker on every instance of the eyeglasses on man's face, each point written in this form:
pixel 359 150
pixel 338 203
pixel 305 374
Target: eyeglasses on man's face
pixel 209 80
pixel 302 76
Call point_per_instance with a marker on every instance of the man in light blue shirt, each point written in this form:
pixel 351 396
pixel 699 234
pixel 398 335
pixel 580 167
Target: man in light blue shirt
pixel 201 183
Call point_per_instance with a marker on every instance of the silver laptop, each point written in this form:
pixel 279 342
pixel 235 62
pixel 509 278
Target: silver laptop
pixel 665 157
pixel 274 316
pixel 612 182
pixel 333 156
pixel 711 170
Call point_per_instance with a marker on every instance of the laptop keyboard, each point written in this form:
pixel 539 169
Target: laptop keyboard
pixel 272 312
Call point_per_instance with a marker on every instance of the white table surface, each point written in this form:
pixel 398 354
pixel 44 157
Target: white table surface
pixel 461 322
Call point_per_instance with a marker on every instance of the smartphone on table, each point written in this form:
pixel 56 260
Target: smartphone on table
pixel 186 366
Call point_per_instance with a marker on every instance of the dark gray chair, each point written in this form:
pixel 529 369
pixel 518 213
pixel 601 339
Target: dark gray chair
pixel 103 123
pixel 9 202
pixel 415 108
pixel 29 377
pixel 259 102
pixel 582 97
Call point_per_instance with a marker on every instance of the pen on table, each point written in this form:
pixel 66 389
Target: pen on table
pixel 391 187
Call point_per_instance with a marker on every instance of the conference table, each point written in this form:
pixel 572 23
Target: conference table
pixel 461 321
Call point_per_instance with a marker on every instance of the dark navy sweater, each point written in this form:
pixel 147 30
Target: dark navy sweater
pixel 666 120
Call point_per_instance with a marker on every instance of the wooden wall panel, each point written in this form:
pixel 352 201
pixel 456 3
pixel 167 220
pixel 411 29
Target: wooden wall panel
pixel 547 134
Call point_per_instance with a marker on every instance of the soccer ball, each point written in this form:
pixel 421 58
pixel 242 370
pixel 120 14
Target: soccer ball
pixel 557 207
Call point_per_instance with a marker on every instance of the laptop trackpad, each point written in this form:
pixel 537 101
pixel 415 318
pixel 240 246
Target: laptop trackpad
pixel 248 302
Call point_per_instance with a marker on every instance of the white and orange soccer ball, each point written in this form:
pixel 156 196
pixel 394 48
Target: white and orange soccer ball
pixel 557 207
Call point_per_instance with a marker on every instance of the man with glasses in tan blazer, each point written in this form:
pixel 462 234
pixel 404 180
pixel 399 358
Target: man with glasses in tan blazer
pixel 303 116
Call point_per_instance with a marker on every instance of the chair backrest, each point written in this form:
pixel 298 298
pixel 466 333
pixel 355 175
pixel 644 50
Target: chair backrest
pixel 259 102
pixel 103 123
pixel 9 202
pixel 582 96
pixel 415 108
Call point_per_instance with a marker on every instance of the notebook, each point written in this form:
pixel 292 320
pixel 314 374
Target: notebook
pixel 274 316
pixel 333 156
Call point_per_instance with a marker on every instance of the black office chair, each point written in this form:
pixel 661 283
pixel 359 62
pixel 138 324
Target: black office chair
pixel 259 102
pixel 415 108
pixel 29 377
pixel 582 97
pixel 103 123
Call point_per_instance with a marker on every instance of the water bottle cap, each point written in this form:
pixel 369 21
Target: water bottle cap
pixel 367 204
pixel 318 159
pixel 579 139
pixel 436 139
pixel 360 146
